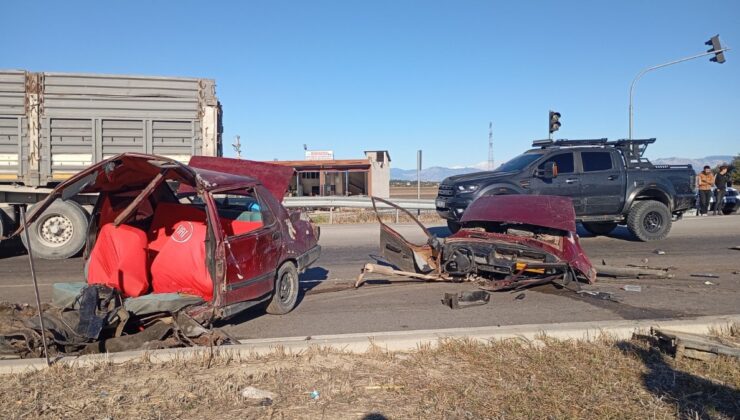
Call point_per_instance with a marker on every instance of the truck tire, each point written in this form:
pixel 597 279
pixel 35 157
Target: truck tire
pixel 60 232
pixel 599 228
pixel 285 295
pixel 649 220
pixel 453 226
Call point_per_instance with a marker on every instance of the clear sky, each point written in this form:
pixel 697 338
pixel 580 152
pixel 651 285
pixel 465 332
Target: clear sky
pixel 406 75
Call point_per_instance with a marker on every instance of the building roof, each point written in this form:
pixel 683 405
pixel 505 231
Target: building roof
pixel 316 165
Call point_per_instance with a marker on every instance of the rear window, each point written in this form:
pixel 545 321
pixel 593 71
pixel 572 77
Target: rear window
pixel 564 161
pixel 596 161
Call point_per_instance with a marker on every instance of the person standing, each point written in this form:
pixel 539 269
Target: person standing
pixel 704 181
pixel 720 181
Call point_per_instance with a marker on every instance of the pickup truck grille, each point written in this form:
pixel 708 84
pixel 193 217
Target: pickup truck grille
pixel 446 190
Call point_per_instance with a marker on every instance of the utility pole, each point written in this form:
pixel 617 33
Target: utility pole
pixel 237 147
pixel 716 50
pixel 418 178
pixel 490 145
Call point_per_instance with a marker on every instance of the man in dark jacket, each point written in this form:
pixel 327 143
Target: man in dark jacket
pixel 720 181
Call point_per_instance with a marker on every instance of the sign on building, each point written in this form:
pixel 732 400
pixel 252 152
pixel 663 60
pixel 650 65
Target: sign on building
pixel 319 155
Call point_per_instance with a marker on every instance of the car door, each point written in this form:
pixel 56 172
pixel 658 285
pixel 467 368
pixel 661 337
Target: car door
pixel 253 245
pixel 602 182
pixel 566 183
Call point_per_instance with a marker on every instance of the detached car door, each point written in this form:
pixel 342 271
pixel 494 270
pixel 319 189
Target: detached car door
pixel 253 244
pixel 401 253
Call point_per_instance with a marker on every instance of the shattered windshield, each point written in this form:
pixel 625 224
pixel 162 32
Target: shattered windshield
pixel 518 163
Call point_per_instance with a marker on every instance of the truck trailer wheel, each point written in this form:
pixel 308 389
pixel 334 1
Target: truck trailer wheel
pixel 453 226
pixel 60 232
pixel 649 220
pixel 285 295
pixel 599 228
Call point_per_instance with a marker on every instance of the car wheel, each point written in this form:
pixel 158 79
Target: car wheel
pixel 59 233
pixel 285 295
pixel 599 228
pixel 453 226
pixel 649 220
pixel 728 211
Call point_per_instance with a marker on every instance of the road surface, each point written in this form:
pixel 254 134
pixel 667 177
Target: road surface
pixel 695 245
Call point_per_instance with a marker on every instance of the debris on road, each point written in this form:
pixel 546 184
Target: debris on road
pixel 696 346
pixel 708 283
pixel 632 288
pixel 633 272
pixel 659 252
pixel 736 248
pixel 599 295
pixel 705 275
pixel 506 242
pixel 520 296
pixel 464 300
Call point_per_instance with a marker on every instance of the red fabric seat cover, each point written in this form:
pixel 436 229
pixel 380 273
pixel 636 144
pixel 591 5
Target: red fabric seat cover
pixel 119 260
pixel 180 265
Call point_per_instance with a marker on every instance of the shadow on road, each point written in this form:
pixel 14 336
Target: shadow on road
pixel 11 248
pixel 620 232
pixel 694 396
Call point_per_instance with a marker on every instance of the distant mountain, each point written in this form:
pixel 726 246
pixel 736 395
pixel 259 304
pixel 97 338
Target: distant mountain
pixel 432 174
pixel 697 163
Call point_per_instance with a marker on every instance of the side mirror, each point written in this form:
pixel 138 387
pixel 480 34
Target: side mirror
pixel 549 172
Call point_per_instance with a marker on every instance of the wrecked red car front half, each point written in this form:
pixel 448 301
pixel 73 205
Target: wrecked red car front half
pixel 211 230
pixel 506 242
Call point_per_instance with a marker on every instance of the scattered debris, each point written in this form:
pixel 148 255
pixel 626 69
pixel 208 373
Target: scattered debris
pixel 634 272
pixel 705 275
pixel 695 346
pixel 464 300
pixel 736 248
pixel 736 272
pixel 265 397
pixel 384 387
pixel 520 296
pixel 314 395
pixel 708 283
pixel 507 242
pixel 659 252
pixel 599 295
pixel 632 288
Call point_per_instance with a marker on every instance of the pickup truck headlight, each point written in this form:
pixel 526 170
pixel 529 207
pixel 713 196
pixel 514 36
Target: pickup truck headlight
pixel 467 188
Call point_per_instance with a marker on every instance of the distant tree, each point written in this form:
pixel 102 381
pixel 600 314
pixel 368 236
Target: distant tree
pixel 736 171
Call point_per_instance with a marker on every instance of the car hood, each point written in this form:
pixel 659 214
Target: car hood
pixel 276 178
pixel 475 176
pixel 540 210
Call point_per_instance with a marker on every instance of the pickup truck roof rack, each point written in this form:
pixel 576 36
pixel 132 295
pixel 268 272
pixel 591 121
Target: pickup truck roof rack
pixel 632 149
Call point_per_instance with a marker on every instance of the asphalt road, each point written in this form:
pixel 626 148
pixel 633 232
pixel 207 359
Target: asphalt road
pixel 330 306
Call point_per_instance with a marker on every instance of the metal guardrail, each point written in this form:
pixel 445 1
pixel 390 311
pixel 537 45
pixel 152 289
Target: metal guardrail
pixel 356 202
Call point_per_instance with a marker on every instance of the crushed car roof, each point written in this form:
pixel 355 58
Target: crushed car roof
pixel 540 210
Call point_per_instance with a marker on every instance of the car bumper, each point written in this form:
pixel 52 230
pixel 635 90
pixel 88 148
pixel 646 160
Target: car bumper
pixel 451 208
pixel 309 257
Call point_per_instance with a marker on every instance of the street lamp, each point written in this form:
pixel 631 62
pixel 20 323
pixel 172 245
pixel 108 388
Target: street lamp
pixel 716 50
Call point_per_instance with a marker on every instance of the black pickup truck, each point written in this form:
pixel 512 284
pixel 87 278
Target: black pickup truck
pixel 610 182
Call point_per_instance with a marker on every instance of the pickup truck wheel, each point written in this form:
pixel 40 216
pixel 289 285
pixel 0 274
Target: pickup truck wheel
pixel 453 226
pixel 285 295
pixel 59 233
pixel 649 220
pixel 599 228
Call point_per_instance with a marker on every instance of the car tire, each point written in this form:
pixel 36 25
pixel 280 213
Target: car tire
pixel 285 295
pixel 59 233
pixel 649 220
pixel 453 226
pixel 599 228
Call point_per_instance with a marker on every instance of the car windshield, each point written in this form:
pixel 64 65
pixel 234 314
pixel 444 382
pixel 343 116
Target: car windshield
pixel 519 162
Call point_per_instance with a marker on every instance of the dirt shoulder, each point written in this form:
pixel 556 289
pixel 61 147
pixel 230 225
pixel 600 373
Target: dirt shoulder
pixel 459 379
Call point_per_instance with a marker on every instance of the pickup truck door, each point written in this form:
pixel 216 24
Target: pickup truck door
pixel 603 182
pixel 567 183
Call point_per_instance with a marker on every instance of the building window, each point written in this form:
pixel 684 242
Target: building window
pixel 309 175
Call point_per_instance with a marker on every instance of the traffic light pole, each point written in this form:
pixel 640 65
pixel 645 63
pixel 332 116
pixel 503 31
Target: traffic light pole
pixel 640 74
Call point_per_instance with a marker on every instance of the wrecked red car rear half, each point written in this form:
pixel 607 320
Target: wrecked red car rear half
pixel 506 242
pixel 214 229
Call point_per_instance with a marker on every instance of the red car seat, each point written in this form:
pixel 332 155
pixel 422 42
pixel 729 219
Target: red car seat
pixel 119 260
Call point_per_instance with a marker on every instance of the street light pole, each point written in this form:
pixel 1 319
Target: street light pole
pixel 640 74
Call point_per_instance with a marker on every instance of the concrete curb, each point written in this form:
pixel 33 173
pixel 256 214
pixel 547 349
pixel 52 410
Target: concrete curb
pixel 388 341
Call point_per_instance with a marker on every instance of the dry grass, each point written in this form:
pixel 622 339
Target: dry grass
pixel 459 379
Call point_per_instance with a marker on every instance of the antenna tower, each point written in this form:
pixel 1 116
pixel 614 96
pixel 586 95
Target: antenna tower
pixel 490 146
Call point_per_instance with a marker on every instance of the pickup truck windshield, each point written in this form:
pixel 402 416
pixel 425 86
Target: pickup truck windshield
pixel 519 162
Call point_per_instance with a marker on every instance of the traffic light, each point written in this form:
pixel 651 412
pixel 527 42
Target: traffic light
pixel 554 121
pixel 719 55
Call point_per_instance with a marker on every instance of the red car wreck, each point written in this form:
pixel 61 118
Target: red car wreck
pixel 213 232
pixel 506 242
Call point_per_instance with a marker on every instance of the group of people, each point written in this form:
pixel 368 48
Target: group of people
pixel 705 181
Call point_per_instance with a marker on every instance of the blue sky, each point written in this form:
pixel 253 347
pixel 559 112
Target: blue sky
pixel 407 75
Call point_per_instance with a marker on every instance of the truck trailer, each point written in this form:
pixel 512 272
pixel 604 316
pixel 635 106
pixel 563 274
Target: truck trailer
pixel 52 125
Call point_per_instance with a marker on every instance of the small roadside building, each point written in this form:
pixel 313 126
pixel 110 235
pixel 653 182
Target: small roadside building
pixel 327 176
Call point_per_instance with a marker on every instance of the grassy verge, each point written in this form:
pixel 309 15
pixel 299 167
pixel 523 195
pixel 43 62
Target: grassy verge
pixel 458 379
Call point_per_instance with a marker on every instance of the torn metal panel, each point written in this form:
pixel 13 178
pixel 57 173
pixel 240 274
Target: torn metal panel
pixel 506 242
